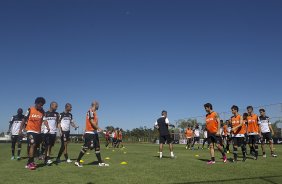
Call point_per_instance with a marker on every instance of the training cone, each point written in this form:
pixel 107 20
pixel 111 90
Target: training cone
pixel 87 153
pixel 124 152
pixel 123 163
pixel 107 158
pixel 81 161
pixel 197 155
pixel 113 150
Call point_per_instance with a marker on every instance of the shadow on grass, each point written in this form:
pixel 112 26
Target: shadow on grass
pixel 264 178
pixel 93 163
pixel 164 157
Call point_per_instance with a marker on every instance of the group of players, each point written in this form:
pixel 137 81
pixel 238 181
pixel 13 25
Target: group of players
pixel 42 126
pixel 239 131
pixel 113 138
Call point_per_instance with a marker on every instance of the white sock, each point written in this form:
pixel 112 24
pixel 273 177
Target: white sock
pixel 171 154
pixel 161 154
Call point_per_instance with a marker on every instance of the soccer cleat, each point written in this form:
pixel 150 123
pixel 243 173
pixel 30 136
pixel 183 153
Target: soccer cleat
pixel 224 159
pixel 103 165
pixel 18 157
pixel 78 164
pixel 49 162
pixel 186 147
pixel 30 166
pixel 58 161
pixel 264 156
pixel 173 157
pixel 273 155
pixel 228 152
pixel 255 158
pixel 13 158
pixel 34 164
pixel 244 159
pixel 211 162
pixel 69 161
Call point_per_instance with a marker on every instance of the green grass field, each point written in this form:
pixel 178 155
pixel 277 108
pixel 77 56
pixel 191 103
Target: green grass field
pixel 143 167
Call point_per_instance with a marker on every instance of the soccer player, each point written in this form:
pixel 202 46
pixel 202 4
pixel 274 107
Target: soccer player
pixel 52 118
pixel 205 138
pixel 266 132
pixel 196 137
pixel 107 137
pixel 189 137
pixel 33 119
pixel 229 137
pixel 120 138
pixel 162 125
pixel 91 138
pixel 245 121
pixel 213 128
pixel 238 133
pixel 253 131
pixel 66 120
pixel 14 128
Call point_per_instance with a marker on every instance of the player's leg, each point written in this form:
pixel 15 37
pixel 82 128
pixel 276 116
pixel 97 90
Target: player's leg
pixel 88 144
pixel 256 139
pixel 270 140
pixel 170 141
pixel 62 148
pixel 19 140
pixel 162 142
pixel 263 145
pixel 13 146
pixel 98 151
pixel 32 148
pixel 220 148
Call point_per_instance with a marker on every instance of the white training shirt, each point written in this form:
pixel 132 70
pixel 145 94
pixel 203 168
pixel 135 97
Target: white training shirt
pixel 15 126
pixel 197 133
pixel 264 123
pixel 205 134
pixel 66 120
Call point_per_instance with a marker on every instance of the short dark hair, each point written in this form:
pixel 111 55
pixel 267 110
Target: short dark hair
pixel 208 105
pixel 234 107
pixel 53 103
pixel 250 107
pixel 164 112
pixel 67 104
pixel 245 115
pixel 262 110
pixel 40 100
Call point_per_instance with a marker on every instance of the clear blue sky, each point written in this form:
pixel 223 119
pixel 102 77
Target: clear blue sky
pixel 139 57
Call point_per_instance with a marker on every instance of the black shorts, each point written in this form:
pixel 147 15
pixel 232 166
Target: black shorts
pixel 50 139
pixel 266 136
pixel 91 141
pixel 119 140
pixel 114 140
pixel 165 139
pixel 65 136
pixel 253 139
pixel 238 141
pixel 189 140
pixel 33 138
pixel 16 139
pixel 196 139
pixel 213 138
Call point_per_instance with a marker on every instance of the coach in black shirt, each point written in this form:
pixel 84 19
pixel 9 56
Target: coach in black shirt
pixel 162 125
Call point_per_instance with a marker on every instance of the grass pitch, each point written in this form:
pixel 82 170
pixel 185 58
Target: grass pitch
pixel 143 166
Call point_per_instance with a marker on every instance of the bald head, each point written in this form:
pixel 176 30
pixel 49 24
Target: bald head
pixel 95 105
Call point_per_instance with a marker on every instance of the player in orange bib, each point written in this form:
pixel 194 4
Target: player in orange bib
pixel 213 128
pixel 189 137
pixel 33 120
pixel 119 140
pixel 91 138
pixel 253 131
pixel 238 133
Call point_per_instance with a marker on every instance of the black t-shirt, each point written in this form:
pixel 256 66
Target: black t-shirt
pixel 163 126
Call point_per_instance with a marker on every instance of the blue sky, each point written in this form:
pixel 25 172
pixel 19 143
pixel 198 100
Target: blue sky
pixel 139 57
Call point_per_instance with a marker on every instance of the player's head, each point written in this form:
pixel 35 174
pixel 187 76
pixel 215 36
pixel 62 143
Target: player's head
pixel 39 102
pixel 227 122
pixel 164 113
pixel 53 106
pixel 68 107
pixel 208 107
pixel 245 116
pixel 234 109
pixel 250 109
pixel 221 123
pixel 95 105
pixel 262 112
pixel 20 111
